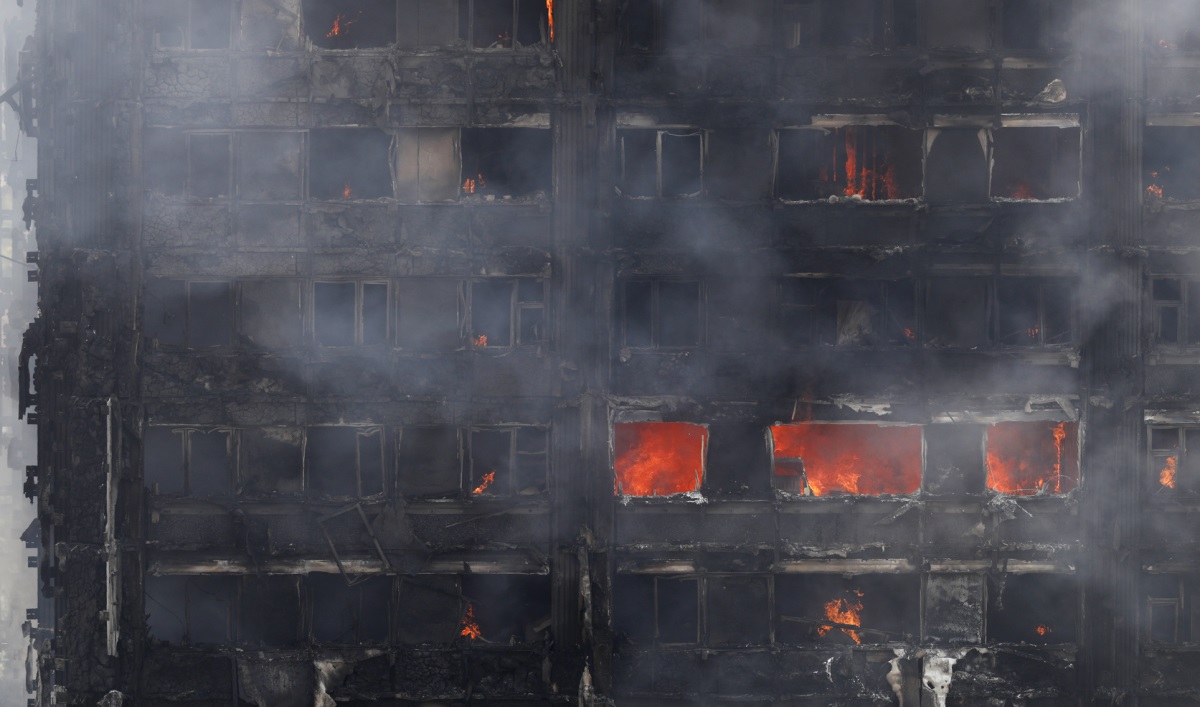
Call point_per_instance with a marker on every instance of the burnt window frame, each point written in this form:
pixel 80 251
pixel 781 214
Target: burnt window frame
pixel 1047 28
pixel 994 595
pixel 358 635
pixel 233 454
pixel 1185 603
pixel 1056 158
pixel 1156 460
pixel 656 313
pixel 188 344
pixel 1158 305
pixel 657 579
pixel 709 39
pixel 515 457
pixel 919 147
pixel 405 465
pixel 231 168
pixel 993 310
pixel 1043 284
pixel 517 309
pixel 232 598
pixel 816 38
pixel 623 177
pixel 299 631
pixel 359 283
pixel 187 31
pixel 360 431
pixel 467 29
pixel 888 288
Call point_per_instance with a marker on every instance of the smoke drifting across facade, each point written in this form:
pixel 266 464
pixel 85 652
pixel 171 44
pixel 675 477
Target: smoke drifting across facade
pixel 639 352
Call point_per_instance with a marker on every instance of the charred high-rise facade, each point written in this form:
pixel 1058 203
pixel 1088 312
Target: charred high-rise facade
pixel 633 352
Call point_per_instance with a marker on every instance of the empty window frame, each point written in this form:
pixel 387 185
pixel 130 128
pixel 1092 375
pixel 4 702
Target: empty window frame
pixel 340 613
pixel 1028 458
pixel 350 24
pixel 508 312
pixel 823 459
pixel 663 314
pixel 1034 25
pixel 1172 610
pixel 958 312
pixel 344 461
pixel 430 312
pixel 1172 25
pixel 1171 163
pixel 506 162
pixel 873 24
pixel 1174 460
pixel 269 165
pixel 1032 608
pixel 349 163
pixel 503 24
pixel 870 162
pixel 843 312
pixel 1034 311
pixel 190 609
pixel 270 313
pixel 1176 303
pixel 699 25
pixel 429 461
pixel 505 609
pixel 271 461
pixel 1033 164
pixel 507 461
pixel 193 314
pixel 198 165
pixel 846 610
pixel 350 313
pixel 658 458
pixel 667 163
pixel 269 611
pixel 191 24
pixel 662 610
pixel 189 462
pixel 957 165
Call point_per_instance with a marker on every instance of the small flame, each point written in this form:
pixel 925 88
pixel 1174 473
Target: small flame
pixel 550 17
pixel 1166 477
pixel 1022 191
pixel 340 23
pixel 346 191
pixel 470 628
pixel 1033 332
pixel 1164 44
pixel 480 342
pixel 487 480
pixel 1154 191
pixel 1044 629
pixel 846 611
pixel 470 185
pixel 910 334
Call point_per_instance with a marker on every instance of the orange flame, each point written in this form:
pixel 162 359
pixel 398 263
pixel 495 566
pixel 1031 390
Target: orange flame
pixel 1025 457
pixel 855 459
pixel 480 342
pixel 658 458
pixel 1166 477
pixel 1033 332
pixel 470 628
pixel 346 191
pixel 470 185
pixel 910 334
pixel 862 180
pixel 846 611
pixel 1023 191
pixel 550 17
pixel 487 480
pixel 340 23
pixel 1154 191
pixel 1044 629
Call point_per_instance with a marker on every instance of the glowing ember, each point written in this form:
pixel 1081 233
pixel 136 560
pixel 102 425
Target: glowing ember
pixel 1024 458
pixel 1166 477
pixel 486 481
pixel 1033 332
pixel 346 191
pixel 550 17
pixel 848 458
pixel 470 628
pixel 340 23
pixel 1022 191
pixel 910 334
pixel 470 185
pixel 1044 629
pixel 846 611
pixel 480 342
pixel 658 458
pixel 1154 191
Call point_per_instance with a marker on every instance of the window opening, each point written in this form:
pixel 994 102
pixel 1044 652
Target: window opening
pixel 270 611
pixel 504 24
pixel 429 314
pixel 506 162
pixel 657 609
pixel 666 163
pixel 350 24
pixel 191 24
pixel 870 162
pixel 1032 608
pixel 344 461
pixel 844 312
pixel 1032 164
pixel 349 313
pixel 505 609
pixel 190 609
pixel 957 312
pixel 1028 458
pixel 269 165
pixel 209 165
pixel 1034 312
pixel 663 314
pixel 189 314
pixel 349 163
pixel 841 610
pixel 504 462
pixel 1172 26
pixel 956 169
pixel 658 458
pixel 822 459
pixel 271 461
pixel 1034 25
pixel 1171 163
pixel 349 614
pixel 507 312
pixel 429 461
pixel 1176 305
pixel 1174 460
pixel 1172 612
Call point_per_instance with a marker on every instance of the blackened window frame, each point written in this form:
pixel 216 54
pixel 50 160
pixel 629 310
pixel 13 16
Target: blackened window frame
pixel 1044 286
pixel 993 307
pixel 522 308
pixel 359 618
pixel 885 36
pixel 189 187
pixel 468 28
pixel 657 315
pixel 359 339
pixel 185 447
pixel 360 432
pixel 517 460
pixel 188 30
pixel 1184 318
pixel 624 176
pixel 189 304
pixel 888 290
pixel 1157 456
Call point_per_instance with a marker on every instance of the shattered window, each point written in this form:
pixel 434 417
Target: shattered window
pixel 1027 458
pixel 847 610
pixel 870 162
pixel 956 168
pixel 430 309
pixel 1171 163
pixel 349 614
pixel 189 314
pixel 667 163
pixel 658 458
pixel 350 313
pixel 189 462
pixel 507 461
pixel 1032 608
pixel 271 461
pixel 349 163
pixel 649 609
pixel 190 24
pixel 190 609
pixel 350 24
pixel 1034 311
pixel 344 461
pixel 504 24
pixel 822 459
pixel 1032 164
pixel 429 461
pixel 500 163
pixel 663 314
pixel 505 609
pixel 270 611
pixel 507 312
pixel 845 312
pixel 1174 460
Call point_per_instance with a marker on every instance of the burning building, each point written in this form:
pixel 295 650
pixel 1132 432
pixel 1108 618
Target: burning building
pixel 634 352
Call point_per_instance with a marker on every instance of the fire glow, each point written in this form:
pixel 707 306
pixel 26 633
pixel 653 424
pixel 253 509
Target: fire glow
pixel 864 175
pixel 1044 630
pixel 1024 192
pixel 658 458
pixel 480 342
pixel 1026 458
pixel 1166 477
pixel 550 17
pixel 846 611
pixel 340 23
pixel 849 458
pixel 485 482
pixel 470 185
pixel 470 628
pixel 346 191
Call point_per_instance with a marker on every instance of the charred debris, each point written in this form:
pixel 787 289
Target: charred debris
pixel 526 352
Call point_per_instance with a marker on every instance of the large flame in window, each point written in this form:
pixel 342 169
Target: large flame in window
pixel 866 172
pixel 849 458
pixel 658 458
pixel 844 612
pixel 470 627
pixel 1025 458
pixel 1166 476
